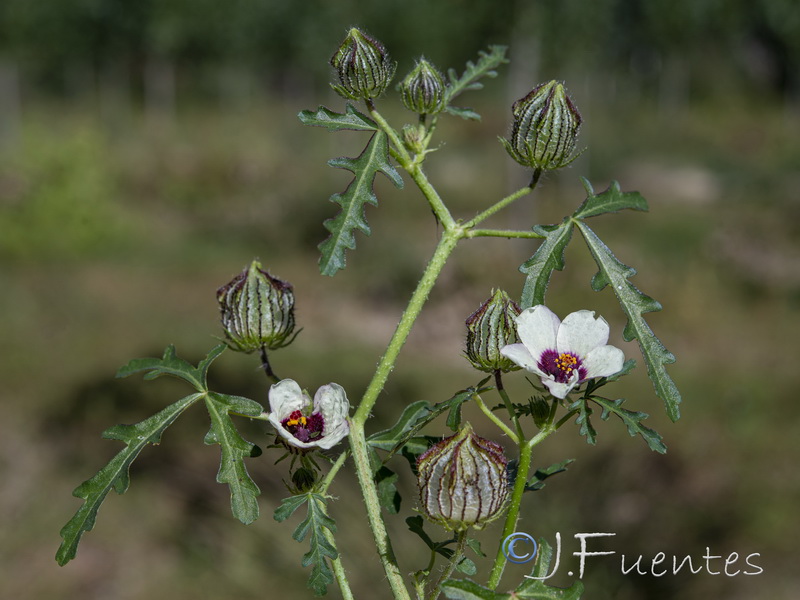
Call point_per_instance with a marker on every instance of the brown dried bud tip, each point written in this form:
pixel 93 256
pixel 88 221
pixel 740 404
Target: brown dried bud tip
pixel 545 128
pixel 257 310
pixel 363 67
pixel 462 481
pixel 490 328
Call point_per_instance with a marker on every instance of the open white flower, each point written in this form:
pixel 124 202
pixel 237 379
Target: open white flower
pixel 306 424
pixel 563 353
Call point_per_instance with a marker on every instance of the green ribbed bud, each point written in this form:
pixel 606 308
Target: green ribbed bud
pixel 363 67
pixel 462 481
pixel 545 129
pixel 490 328
pixel 257 310
pixel 423 89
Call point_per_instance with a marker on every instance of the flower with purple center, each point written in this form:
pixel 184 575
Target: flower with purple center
pixel 307 424
pixel 563 353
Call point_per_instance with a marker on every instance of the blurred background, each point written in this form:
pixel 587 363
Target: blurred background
pixel 149 150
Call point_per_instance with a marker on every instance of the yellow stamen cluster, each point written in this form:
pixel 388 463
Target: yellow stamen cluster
pixel 301 421
pixel 566 362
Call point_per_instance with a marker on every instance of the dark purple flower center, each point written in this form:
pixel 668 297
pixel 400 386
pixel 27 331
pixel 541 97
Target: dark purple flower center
pixel 561 365
pixel 305 429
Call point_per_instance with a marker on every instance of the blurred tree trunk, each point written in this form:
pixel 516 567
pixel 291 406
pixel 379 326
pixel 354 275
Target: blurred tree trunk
pixel 159 92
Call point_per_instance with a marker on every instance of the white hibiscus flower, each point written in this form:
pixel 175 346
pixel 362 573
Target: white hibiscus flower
pixel 306 424
pixel 563 353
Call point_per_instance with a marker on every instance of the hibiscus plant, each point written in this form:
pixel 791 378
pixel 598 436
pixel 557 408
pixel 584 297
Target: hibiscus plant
pixel 465 481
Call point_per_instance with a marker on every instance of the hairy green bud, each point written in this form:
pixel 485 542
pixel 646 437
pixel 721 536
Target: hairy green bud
pixel 257 310
pixel 363 67
pixel 462 481
pixel 490 328
pixel 545 128
pixel 423 89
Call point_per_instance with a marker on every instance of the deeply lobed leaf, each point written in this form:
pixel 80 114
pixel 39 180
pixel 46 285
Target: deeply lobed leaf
pixel 170 364
pixel 333 121
pixel 373 160
pixel 549 257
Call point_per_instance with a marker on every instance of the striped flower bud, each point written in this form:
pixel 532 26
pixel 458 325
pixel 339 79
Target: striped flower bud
pixel 423 89
pixel 545 128
pixel 490 328
pixel 257 310
pixel 462 481
pixel 363 67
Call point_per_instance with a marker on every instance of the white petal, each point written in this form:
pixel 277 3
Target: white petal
pixel 536 328
pixel 581 333
pixel 520 355
pixel 560 390
pixel 331 402
pixel 603 361
pixel 285 397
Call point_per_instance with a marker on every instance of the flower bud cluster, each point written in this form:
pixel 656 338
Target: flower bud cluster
pixel 257 310
pixel 462 481
pixel 545 128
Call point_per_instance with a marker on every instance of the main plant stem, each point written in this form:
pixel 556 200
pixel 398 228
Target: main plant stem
pixel 358 442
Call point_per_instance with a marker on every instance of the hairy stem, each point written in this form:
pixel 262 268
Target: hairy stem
pixel 498 206
pixel 267 367
pixel 494 419
pixel 498 379
pixel 459 553
pixel 503 233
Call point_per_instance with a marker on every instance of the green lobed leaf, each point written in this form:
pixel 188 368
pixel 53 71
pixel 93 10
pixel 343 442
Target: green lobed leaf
pixel 288 506
pixel 374 159
pixel 234 449
pixel 537 589
pixel 333 121
pixel 634 303
pixel 413 414
pixel 469 79
pixel 116 473
pixel 466 566
pixel 314 526
pixel 465 113
pixel 549 257
pixel 611 200
pixel 386 482
pixel 633 420
pixel 537 481
pixel 170 364
pixel 584 412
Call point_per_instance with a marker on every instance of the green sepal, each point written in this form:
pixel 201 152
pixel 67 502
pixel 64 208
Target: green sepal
pixel 315 523
pixel 549 257
pixel 170 364
pixel 634 304
pixel 537 481
pixel 374 159
pixel 116 473
pixel 581 406
pixel 611 200
pixel 234 449
pixel 469 79
pixel 633 420
pixel 333 121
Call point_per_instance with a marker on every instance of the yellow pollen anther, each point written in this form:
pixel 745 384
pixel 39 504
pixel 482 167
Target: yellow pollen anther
pixel 301 421
pixel 566 362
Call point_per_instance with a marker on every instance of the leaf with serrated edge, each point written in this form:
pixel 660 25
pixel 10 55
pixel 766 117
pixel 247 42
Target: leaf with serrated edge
pixel 333 121
pixel 388 439
pixel 116 473
pixel 610 201
pixel 485 67
pixel 633 420
pixel 170 364
pixel 288 506
pixel 321 548
pixel 549 257
pixel 234 449
pixel 374 159
pixel 584 412
pixel 634 303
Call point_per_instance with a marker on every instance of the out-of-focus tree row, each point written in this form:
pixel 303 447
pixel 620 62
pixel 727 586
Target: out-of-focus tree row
pixel 706 46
